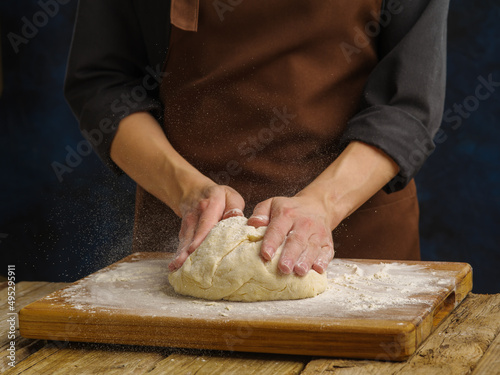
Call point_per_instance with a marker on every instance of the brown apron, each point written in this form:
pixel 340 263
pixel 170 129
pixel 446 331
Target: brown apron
pixel 257 96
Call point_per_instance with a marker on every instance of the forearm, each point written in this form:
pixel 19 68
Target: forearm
pixel 141 150
pixel 356 175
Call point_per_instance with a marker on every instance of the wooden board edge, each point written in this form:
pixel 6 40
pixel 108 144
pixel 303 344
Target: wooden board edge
pixel 394 344
pixel 465 285
pixel 389 346
pixel 447 304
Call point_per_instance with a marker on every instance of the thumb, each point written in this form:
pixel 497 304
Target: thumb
pixel 234 204
pixel 261 214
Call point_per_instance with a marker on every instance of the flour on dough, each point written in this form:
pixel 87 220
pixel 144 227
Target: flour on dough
pixel 227 265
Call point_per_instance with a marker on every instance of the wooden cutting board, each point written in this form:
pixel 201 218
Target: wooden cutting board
pixel 371 309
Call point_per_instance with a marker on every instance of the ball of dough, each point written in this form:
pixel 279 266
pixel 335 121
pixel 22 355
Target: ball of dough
pixel 228 265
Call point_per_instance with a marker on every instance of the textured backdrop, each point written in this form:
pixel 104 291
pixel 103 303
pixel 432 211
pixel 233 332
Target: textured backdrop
pixel 53 230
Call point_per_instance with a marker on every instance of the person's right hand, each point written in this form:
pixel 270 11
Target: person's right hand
pixel 202 208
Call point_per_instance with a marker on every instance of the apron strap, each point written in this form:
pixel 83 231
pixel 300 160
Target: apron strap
pixel 184 14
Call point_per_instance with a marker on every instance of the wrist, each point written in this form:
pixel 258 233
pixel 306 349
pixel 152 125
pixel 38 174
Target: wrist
pixel 334 205
pixel 356 175
pixel 141 149
pixel 182 183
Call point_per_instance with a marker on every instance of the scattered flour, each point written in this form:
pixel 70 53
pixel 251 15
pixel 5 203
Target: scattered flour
pixel 354 288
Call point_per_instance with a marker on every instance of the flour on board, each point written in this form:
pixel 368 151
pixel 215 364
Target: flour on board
pixel 354 288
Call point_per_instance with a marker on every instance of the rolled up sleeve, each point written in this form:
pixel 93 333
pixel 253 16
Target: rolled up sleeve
pixel 402 103
pixel 108 76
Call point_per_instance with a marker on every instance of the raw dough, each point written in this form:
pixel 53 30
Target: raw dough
pixel 227 265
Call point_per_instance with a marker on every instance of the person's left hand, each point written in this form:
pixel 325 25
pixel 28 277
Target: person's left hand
pixel 302 222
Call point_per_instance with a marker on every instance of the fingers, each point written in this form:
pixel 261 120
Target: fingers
pixel 307 257
pixel 316 256
pixel 234 204
pixel 298 248
pixel 295 245
pixel 232 213
pixel 304 254
pixel 179 260
pixel 301 228
pixel 276 232
pixel 260 215
pixel 219 202
pixel 188 227
pixel 195 227
pixel 210 215
pixel 324 258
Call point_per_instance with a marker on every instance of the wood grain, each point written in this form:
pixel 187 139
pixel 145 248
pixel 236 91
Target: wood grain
pixel 249 364
pixel 490 362
pixel 26 293
pixel 115 359
pixel 475 323
pixel 454 348
pixel 23 349
pixel 76 358
pixel 388 339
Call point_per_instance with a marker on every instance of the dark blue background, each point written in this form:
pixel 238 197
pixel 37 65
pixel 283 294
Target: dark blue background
pixel 64 230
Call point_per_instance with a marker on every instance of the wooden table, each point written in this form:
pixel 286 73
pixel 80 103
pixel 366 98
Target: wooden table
pixel 468 341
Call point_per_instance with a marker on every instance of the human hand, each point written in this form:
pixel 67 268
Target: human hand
pixel 302 222
pixel 201 209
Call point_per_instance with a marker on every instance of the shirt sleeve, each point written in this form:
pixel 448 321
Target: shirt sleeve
pixel 108 74
pixel 402 103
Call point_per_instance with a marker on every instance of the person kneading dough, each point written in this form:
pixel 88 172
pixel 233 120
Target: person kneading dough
pixel 277 114
pixel 228 266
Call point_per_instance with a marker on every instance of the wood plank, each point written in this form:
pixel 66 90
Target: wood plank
pixel 454 348
pixel 363 337
pixel 229 364
pixel 461 341
pixel 39 356
pixel 26 293
pixel 77 358
pixel 115 359
pixel 23 349
pixel 490 362
pixel 350 367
